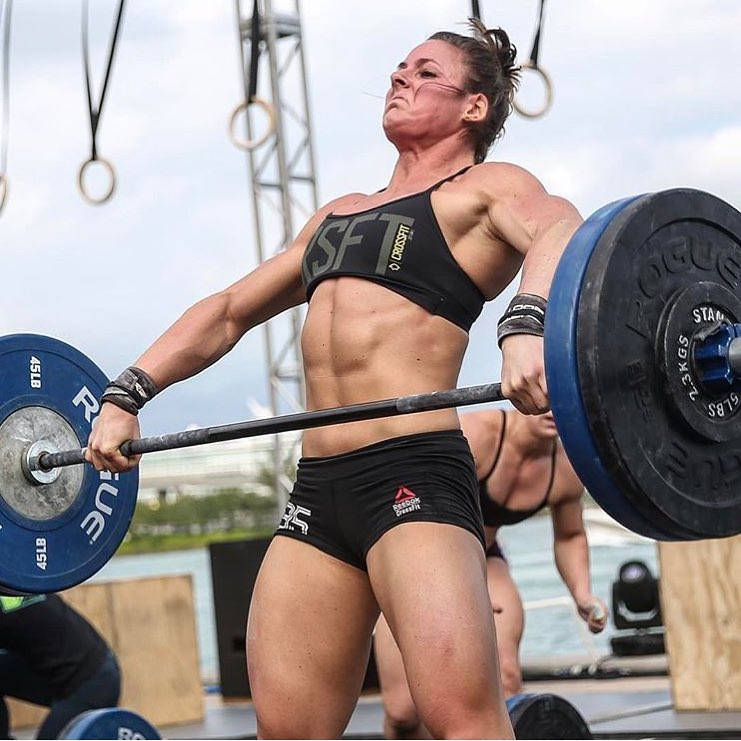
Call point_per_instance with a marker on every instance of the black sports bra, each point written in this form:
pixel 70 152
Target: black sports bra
pixel 497 515
pixel 399 245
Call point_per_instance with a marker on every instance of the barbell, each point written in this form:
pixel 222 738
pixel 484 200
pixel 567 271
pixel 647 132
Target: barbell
pixel 532 716
pixel 643 364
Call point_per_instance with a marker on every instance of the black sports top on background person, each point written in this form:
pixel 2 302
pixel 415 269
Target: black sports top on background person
pixel 497 515
pixel 399 245
pixel 54 639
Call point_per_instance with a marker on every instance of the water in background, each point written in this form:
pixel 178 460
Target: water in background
pixel 529 550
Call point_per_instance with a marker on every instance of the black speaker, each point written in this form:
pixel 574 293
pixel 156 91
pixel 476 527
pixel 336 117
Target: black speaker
pixel 234 567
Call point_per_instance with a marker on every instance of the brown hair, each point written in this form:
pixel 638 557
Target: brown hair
pixel 490 60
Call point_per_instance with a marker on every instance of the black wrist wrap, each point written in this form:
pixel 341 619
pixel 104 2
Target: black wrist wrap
pixel 524 315
pixel 130 391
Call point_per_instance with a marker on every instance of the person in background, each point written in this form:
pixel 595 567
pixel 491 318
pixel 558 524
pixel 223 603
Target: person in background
pixel 50 655
pixel 522 469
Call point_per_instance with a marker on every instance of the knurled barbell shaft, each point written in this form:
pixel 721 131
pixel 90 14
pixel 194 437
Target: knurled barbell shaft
pixel 303 420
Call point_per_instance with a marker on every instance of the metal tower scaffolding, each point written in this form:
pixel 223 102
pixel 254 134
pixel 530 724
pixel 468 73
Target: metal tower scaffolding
pixel 282 169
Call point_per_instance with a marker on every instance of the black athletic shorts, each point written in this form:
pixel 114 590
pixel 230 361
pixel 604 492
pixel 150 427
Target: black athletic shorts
pixel 343 504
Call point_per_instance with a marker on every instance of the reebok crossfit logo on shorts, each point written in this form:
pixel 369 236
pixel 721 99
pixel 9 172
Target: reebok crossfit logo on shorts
pixel 405 501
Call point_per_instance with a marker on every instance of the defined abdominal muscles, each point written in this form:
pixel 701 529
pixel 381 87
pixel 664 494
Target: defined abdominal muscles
pixel 362 342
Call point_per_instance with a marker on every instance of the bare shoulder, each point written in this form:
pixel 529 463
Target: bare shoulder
pixel 502 180
pixel 349 199
pixel 336 204
pixel 567 482
pixel 482 430
pixel 482 420
pixel 512 183
pixel 503 175
pixel 520 209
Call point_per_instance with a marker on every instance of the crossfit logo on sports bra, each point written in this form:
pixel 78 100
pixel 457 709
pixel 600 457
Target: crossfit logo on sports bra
pixel 368 244
pixel 406 501
pixel 400 242
pixel 292 518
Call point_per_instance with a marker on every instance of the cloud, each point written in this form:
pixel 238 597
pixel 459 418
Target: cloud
pixel 712 162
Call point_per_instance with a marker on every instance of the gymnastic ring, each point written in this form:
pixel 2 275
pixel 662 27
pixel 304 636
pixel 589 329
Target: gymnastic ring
pixel 3 190
pixel 548 93
pixel 81 180
pixel 249 144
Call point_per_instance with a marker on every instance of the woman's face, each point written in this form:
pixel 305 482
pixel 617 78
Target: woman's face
pixel 426 96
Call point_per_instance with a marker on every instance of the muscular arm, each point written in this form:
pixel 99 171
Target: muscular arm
pixel 203 334
pixel 538 225
pixel 570 546
pixel 211 327
pixel 535 223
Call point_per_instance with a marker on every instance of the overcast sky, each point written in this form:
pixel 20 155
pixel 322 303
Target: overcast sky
pixel 646 97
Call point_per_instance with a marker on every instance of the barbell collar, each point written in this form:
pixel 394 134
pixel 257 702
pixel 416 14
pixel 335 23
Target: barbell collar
pixel 34 473
pixel 466 396
pixel 717 358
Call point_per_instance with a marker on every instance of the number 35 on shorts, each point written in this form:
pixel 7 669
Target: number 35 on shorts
pixel 291 519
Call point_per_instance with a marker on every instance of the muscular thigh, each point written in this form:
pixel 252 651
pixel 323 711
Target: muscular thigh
pixel 308 640
pixel 429 579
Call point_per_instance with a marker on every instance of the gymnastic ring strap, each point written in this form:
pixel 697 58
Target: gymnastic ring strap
pixel 95 110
